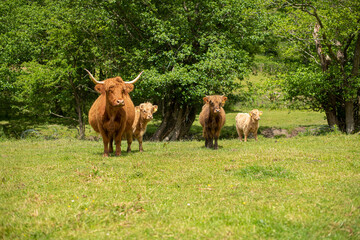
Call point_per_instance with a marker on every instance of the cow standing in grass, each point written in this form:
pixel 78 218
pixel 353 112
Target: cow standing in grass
pixel 112 114
pixel 143 115
pixel 247 123
pixel 212 119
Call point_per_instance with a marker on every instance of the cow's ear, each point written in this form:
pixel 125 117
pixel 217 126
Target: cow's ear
pixel 260 113
pixel 137 109
pixel 100 88
pixel 224 100
pixel 129 87
pixel 206 99
pixel 141 106
pixel 155 108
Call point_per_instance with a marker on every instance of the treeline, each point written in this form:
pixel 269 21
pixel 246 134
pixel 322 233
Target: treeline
pixel 188 49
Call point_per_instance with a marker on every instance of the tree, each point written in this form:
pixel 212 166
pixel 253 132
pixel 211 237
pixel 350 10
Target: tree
pixel 327 34
pixel 46 46
pixel 189 50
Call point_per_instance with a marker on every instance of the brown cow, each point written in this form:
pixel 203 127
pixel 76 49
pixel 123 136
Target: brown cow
pixel 112 114
pixel 143 115
pixel 212 119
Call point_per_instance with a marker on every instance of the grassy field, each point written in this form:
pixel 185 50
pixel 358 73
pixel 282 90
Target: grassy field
pixel 305 187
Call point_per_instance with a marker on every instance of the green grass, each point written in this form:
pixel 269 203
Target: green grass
pixel 306 187
pixel 295 188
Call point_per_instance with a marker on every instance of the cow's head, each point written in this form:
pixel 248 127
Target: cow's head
pixel 255 114
pixel 115 89
pixel 216 102
pixel 146 111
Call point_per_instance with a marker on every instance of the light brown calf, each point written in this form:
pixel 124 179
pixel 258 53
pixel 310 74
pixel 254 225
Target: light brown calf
pixel 143 115
pixel 248 123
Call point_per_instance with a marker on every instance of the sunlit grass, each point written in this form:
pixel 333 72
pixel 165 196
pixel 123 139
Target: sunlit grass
pixel 296 188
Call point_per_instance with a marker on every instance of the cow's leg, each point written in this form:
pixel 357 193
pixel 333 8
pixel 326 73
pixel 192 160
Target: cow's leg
pixel 106 146
pixel 209 135
pixel 105 142
pixel 216 142
pixel 255 135
pixel 210 142
pixel 118 144
pixel 129 138
pixel 216 136
pixel 111 149
pixel 140 140
pixel 206 137
pixel 246 133
pixel 239 133
pixel 241 136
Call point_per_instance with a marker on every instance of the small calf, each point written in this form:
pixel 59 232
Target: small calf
pixel 248 123
pixel 212 119
pixel 143 115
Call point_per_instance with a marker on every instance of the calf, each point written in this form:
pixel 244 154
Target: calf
pixel 143 115
pixel 248 123
pixel 212 119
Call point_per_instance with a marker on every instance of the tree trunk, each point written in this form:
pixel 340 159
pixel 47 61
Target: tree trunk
pixel 349 117
pixel 176 122
pixel 331 118
pixel 79 110
pixel 330 111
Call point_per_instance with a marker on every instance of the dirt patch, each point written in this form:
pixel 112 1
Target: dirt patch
pixel 278 132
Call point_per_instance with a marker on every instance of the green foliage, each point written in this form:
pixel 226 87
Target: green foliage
pixel 188 50
pixel 195 50
pixel 323 37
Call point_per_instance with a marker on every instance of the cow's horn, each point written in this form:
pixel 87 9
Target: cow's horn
pixel 137 78
pixel 93 79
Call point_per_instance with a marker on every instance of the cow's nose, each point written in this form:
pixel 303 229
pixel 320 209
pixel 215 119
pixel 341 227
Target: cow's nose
pixel 149 117
pixel 120 102
pixel 217 110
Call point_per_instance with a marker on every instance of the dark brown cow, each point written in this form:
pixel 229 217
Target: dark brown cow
pixel 143 115
pixel 212 119
pixel 112 114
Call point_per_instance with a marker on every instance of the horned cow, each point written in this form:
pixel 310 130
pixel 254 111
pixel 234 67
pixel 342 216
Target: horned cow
pixel 212 119
pixel 112 114
pixel 143 115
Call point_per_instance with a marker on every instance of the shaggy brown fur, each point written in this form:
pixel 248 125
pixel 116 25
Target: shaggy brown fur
pixel 212 119
pixel 112 114
pixel 143 115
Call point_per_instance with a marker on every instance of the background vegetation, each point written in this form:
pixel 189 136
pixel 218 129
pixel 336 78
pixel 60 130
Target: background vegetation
pixel 188 50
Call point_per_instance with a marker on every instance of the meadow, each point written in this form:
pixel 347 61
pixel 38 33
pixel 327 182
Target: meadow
pixel 304 187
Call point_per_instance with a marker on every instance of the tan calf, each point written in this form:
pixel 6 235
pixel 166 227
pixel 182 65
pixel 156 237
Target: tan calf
pixel 143 115
pixel 247 123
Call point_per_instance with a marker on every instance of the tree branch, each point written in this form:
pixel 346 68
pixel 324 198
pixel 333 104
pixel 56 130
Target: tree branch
pixel 356 61
pixel 60 116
